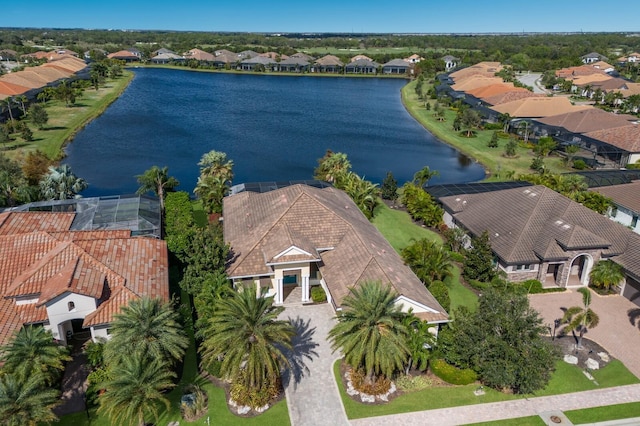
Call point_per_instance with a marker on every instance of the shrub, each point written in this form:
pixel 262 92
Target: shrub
pixel 479 285
pixel 318 295
pixel 196 405
pixel 537 164
pixel 379 387
pixel 493 142
pixel 457 257
pixel 440 291
pixel 213 368
pixel 254 397
pixel 410 383
pixel 493 126
pixel 452 374
pixel 579 164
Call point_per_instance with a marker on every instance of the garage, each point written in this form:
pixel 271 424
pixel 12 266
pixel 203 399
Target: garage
pixel 632 290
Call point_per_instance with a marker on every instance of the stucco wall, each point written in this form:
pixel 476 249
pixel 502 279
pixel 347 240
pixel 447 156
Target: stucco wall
pixel 58 311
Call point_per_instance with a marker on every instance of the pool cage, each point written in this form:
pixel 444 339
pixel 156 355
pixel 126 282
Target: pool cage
pixel 138 213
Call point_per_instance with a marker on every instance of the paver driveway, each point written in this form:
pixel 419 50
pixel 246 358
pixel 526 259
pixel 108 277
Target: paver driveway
pixel 615 332
pixel 311 390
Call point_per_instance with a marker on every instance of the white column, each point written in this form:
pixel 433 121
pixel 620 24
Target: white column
pixel 258 289
pixel 305 288
pixel 279 291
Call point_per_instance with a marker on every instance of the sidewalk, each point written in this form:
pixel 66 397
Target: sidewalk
pixel 508 409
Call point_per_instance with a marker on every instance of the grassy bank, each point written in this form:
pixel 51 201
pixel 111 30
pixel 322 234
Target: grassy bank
pixel 65 122
pixel 475 147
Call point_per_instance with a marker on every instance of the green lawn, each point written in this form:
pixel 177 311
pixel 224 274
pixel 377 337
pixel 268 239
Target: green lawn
pixel 603 414
pixel 398 228
pixel 522 421
pixel 566 379
pixel 65 122
pixel 475 147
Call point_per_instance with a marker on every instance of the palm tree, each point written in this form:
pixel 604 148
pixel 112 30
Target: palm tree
pixel 370 332
pixel 136 390
pixel 334 167
pixel 505 120
pixel 21 100
pixel 216 174
pixel 606 274
pixel 215 163
pixel 32 352
pixel 147 326
pixel 363 193
pixel 581 318
pixel 158 181
pixel 429 260
pixel 424 175
pixel 245 332
pixel 61 184
pixel 419 342
pixel 23 401
pixel 9 104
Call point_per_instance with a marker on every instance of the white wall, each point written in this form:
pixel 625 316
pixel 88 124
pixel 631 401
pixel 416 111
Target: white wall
pixel 58 311
pixel 625 217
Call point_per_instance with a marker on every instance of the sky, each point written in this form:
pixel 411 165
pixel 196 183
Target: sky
pixel 345 16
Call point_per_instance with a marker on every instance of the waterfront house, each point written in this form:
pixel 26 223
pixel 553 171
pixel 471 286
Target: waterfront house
pixel 294 65
pixel 414 59
pixel 328 63
pixel 199 55
pixel 362 66
pixel 124 55
pixel 259 63
pixel 167 58
pixel 396 66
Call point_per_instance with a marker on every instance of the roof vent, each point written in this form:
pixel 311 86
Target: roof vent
pixel 458 199
pixel 558 222
pixel 566 226
pixel 526 191
pixel 533 194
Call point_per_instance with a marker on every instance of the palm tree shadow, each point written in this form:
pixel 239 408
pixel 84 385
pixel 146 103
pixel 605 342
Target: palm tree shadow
pixel 634 316
pixel 302 349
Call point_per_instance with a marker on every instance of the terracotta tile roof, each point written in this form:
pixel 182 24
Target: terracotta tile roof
pixel 274 55
pixel 632 89
pixel 626 137
pixel 257 225
pixel 123 55
pixel 50 74
pixel 503 98
pixel 630 259
pixel 626 195
pixel 528 224
pixel 21 79
pixel 571 72
pixel 486 69
pixel 10 89
pixel 591 79
pixel 533 107
pixel 475 82
pixel 42 266
pixel 586 120
pixel 602 65
pixel 120 297
pixel 494 89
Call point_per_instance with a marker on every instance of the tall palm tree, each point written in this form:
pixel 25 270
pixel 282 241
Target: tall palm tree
pixel 581 318
pixel 136 390
pixel 32 352
pixel 333 168
pixel 147 326
pixel 424 175
pixel 246 333
pixel 363 193
pixel 216 174
pixel 429 260
pixel 61 184
pixel 158 181
pixel 370 332
pixel 606 274
pixel 23 401
pixel 215 163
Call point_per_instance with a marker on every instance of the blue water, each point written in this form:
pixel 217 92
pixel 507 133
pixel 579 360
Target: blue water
pixel 272 127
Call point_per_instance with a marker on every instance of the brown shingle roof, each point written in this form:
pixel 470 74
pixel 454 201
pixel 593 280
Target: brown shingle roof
pixel 199 55
pixel 626 137
pixel 533 107
pixel 528 224
pixel 626 195
pixel 329 60
pixel 354 251
pixel 586 120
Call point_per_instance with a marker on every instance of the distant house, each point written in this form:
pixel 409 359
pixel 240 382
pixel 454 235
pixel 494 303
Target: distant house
pixel 124 55
pixel 162 51
pixel 362 66
pixel 225 59
pixel 632 58
pixel 287 241
pixel 626 199
pixel 73 281
pixel 167 58
pixel 303 56
pixel 450 62
pixel 602 65
pixel 8 54
pixel 199 55
pixel 135 51
pixel 536 233
pixel 592 57
pixel 258 63
pixel 485 69
pixel 274 55
pixel 361 57
pixel 247 54
pixel 293 65
pixel 396 66
pixel 328 63
pixel 625 139
pixel 414 59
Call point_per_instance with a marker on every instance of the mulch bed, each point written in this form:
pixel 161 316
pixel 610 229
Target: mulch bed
pixel 588 349
pixel 227 386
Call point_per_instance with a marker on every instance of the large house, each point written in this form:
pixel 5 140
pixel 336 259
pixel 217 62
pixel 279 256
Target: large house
pixel 626 203
pixel 537 233
pixel 288 240
pixel 69 281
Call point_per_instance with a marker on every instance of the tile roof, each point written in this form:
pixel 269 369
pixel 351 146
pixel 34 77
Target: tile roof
pixel 632 89
pixel 582 70
pixel 626 195
pixel 533 107
pixel 487 69
pixel 10 89
pixel 22 79
pixel 199 55
pixel 329 60
pixel 273 55
pixel 586 120
pixel 526 225
pixel 475 82
pixel 122 54
pixel 503 98
pixel 41 259
pixel 494 89
pixel 626 137
pixel 259 225
pixel 303 56
pixel 359 57
pixel 590 79
pixel 396 63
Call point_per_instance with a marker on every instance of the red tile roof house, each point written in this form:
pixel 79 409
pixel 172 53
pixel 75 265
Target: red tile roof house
pixel 55 277
pixel 536 233
pixel 288 240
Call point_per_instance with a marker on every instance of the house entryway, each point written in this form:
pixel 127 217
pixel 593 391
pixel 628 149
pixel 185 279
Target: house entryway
pixel 291 290
pixel 579 271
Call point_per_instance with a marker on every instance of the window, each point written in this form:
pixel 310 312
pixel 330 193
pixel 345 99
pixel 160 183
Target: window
pixel 522 268
pixel 634 221
pixel 614 211
pixel 71 306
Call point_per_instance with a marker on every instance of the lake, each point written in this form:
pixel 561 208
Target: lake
pixel 272 127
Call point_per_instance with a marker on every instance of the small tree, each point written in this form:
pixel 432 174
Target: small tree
pixel 545 146
pixel 38 115
pixel 389 189
pixel 581 318
pixel 510 148
pixel 537 164
pixel 606 274
pixel 478 261
pixel 471 121
pixel 493 142
pixel 571 151
pixel 422 177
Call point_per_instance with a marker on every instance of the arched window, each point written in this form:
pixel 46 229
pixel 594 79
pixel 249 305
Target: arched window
pixel 71 306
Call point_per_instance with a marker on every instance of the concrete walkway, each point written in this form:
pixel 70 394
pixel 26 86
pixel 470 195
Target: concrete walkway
pixel 541 406
pixel 615 332
pixel 310 387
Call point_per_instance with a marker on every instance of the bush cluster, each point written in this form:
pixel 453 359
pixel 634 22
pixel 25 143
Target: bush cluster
pixel 579 164
pixel 379 387
pixel 411 383
pixel 318 295
pixel 535 287
pixel 254 397
pixel 199 405
pixel 452 374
